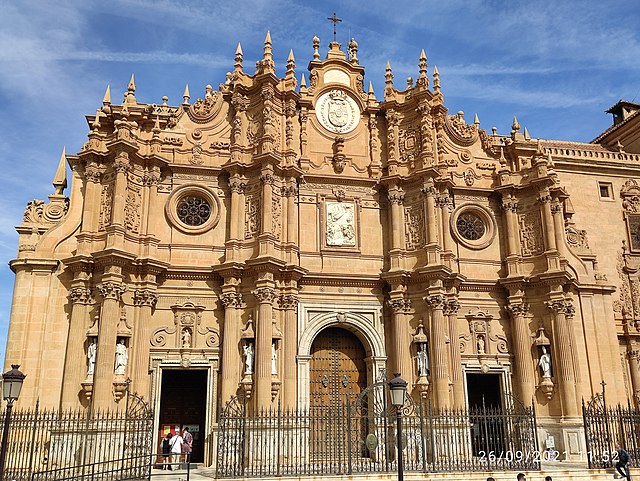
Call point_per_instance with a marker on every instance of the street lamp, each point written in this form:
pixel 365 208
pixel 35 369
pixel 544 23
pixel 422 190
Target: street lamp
pixel 398 388
pixel 11 386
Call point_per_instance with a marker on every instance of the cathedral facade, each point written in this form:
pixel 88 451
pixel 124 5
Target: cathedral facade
pixel 297 239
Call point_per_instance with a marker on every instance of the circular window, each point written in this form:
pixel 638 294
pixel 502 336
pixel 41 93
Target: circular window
pixel 193 209
pixel 470 226
pixel 473 226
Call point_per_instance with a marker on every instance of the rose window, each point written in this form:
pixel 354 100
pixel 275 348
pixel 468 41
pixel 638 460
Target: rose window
pixel 193 210
pixel 470 226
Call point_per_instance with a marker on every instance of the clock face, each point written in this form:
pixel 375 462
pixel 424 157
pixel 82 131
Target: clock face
pixel 337 111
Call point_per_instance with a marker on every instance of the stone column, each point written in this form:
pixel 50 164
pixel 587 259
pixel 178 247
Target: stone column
pixel 510 216
pixel 151 180
pixel 111 292
pixel 558 227
pixel 266 222
pixel 90 217
pixel 237 186
pixel 633 356
pixel 289 302
pixel 401 340
pixel 144 300
pixel 264 336
pixel 451 310
pixel 231 359
pixel 432 226
pixel 563 356
pixel 443 203
pixel 439 352
pixel 547 220
pixel 521 342
pixel 396 199
pixel 75 363
pixel 121 166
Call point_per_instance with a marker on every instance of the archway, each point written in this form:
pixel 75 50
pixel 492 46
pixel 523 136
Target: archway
pixel 337 369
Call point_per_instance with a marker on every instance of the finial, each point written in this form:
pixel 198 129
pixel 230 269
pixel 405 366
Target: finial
pixel 353 50
pixel 132 85
pixel 370 92
pixel 185 95
pixel 106 100
pixel 238 64
pixel 267 57
pixel 409 83
pixel 165 99
pixel 436 79
pixel 515 126
pixel 538 145
pixel 156 127
pixel 335 20
pixel 316 48
pixel 96 121
pixel 388 74
pixel 208 91
pixel 303 81
pixel 60 179
pixel 503 160
pixel 494 131
pixel 526 134
pixel 422 64
pixel 291 62
pixel 476 120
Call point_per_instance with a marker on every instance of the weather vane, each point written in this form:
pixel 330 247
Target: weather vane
pixel 335 21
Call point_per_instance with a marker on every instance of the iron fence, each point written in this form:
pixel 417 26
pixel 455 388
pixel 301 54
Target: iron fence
pixel 71 444
pixel 359 436
pixel 609 427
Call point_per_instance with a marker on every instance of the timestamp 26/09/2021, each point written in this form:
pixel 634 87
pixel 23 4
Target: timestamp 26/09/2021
pixel 547 455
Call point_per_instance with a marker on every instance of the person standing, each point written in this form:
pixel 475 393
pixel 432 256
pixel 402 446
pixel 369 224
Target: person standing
pixel 187 445
pixel 176 449
pixel 166 452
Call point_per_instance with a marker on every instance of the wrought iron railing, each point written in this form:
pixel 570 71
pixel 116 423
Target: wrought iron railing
pixel 359 436
pixel 47 443
pixel 608 428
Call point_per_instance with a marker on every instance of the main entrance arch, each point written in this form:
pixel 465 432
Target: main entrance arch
pixel 337 369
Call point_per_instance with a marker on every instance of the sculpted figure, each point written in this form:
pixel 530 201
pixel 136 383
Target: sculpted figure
pixel 545 363
pixel 186 338
pixel 480 345
pixel 423 360
pixel 274 359
pixel 91 357
pixel 122 357
pixel 248 358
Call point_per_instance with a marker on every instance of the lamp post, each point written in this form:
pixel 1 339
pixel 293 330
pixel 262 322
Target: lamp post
pixel 398 388
pixel 11 386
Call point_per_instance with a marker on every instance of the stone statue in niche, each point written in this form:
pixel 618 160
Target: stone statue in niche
pixel 186 338
pixel 340 224
pixel 274 359
pixel 122 356
pixel 481 345
pixel 423 360
pixel 545 363
pixel 248 358
pixel 91 357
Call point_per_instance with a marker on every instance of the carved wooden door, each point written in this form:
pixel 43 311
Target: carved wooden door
pixel 337 372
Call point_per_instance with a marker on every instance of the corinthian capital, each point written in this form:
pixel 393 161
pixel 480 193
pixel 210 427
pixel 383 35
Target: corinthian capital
pixel 517 309
pixel 231 299
pixel 399 306
pixel 288 301
pixel 145 297
pixel 121 163
pixel 436 301
pixel 80 295
pixel 451 307
pixel 111 290
pixel 264 294
pixel 561 306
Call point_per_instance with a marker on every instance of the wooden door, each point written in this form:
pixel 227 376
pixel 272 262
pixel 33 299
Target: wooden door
pixel 337 367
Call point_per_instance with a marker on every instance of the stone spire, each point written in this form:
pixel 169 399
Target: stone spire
pixel 60 179
pixel 106 100
pixel 436 79
pixel 267 58
pixel 515 126
pixel 370 93
pixel 291 64
pixel 388 80
pixel 476 120
pixel 238 63
pixel 423 80
pixel 130 96
pixel 185 95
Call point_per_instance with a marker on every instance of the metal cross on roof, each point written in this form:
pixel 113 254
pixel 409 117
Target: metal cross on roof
pixel 335 21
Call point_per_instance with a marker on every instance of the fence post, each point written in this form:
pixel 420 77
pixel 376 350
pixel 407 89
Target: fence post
pixel 278 439
pixel 33 435
pixel 586 434
pixel 349 468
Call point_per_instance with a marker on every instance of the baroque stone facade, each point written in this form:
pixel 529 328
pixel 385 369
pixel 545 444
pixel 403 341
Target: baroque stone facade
pixel 224 236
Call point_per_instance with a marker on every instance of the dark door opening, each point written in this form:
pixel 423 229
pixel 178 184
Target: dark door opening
pixel 484 398
pixel 183 403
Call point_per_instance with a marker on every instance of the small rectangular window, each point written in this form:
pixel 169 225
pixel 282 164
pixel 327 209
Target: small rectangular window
pixel 606 190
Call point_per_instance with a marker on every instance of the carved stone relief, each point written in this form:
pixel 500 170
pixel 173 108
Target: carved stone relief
pixel 106 202
pixel 340 224
pixel 414 226
pixel 276 216
pixel 252 216
pixel 132 209
pixel 409 142
pixel 531 238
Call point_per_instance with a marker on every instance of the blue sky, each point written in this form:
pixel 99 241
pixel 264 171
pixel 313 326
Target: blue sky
pixel 556 65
